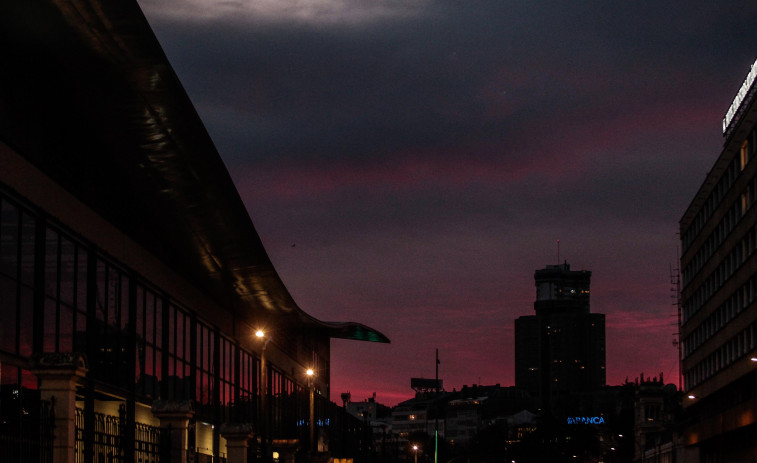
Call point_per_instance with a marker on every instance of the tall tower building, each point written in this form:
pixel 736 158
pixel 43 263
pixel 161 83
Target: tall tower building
pixel 719 295
pixel 561 349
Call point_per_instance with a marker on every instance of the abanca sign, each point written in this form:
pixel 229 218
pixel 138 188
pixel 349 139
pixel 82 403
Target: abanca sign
pixel 586 420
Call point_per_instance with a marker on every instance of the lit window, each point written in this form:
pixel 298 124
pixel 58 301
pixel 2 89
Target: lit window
pixel 745 203
pixel 744 154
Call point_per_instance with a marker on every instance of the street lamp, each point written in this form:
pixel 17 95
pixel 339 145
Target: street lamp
pixel 260 334
pixel 415 451
pixel 310 373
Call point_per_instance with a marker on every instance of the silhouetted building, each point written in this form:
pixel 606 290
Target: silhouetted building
pixel 378 420
pixel 131 276
pixel 719 296
pixel 422 414
pixel 463 419
pixel 657 408
pixel 561 349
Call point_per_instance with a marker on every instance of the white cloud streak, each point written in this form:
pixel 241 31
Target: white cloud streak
pixel 318 12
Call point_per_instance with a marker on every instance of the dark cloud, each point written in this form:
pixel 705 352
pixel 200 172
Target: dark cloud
pixel 426 156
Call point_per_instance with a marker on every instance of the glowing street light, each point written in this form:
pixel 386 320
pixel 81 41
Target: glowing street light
pixel 260 334
pixel 310 374
pixel 415 450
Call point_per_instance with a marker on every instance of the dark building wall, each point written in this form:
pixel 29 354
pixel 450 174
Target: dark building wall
pixel 528 354
pixel 719 298
pixel 576 352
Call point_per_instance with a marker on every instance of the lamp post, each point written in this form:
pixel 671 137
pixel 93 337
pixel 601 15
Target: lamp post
pixel 415 451
pixel 260 334
pixel 310 373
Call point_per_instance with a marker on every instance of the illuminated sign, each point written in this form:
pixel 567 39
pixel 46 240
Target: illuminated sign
pixel 743 92
pixel 586 420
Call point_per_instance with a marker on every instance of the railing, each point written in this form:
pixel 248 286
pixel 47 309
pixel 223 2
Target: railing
pixel 148 444
pixel 108 441
pixel 26 427
pixel 107 446
pixel 79 436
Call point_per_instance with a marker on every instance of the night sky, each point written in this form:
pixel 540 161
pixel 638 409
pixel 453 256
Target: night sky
pixel 409 164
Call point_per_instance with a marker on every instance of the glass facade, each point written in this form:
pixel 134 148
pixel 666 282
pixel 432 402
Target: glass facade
pixel 87 185
pixel 59 293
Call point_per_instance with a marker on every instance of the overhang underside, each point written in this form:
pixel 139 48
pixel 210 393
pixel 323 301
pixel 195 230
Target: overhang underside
pixel 87 95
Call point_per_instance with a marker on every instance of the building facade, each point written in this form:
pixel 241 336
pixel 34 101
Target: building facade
pixel 719 296
pixel 561 348
pixel 657 408
pixel 132 280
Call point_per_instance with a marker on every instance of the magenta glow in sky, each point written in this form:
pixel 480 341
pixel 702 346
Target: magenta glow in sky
pixel 409 164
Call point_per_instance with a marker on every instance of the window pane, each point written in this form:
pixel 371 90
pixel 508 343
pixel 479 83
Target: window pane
pixel 65 339
pixel 67 270
pixel 49 322
pixel 27 249
pixel 121 301
pixel 113 299
pixel 187 337
pixel 149 318
pixel 80 338
pixel 102 291
pixel 149 361
pixel 171 331
pixel 8 302
pixel 25 316
pixel 179 333
pixel 139 307
pixel 8 375
pixel 28 380
pixel 8 238
pixel 158 322
pixel 51 263
pixel 158 366
pixel 81 279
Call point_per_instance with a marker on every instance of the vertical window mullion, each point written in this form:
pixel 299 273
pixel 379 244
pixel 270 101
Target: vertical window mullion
pixel 38 295
pixel 57 290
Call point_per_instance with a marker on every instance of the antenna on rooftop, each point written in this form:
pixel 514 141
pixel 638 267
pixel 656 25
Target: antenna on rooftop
pixel 675 280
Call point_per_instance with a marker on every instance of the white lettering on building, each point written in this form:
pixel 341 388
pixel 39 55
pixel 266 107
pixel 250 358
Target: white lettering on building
pixel 743 91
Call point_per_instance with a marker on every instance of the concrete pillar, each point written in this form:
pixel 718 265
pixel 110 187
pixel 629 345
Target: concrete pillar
pixel 174 418
pixel 287 449
pixel 59 374
pixel 236 435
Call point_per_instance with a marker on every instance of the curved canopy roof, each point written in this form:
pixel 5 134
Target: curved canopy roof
pixel 87 94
